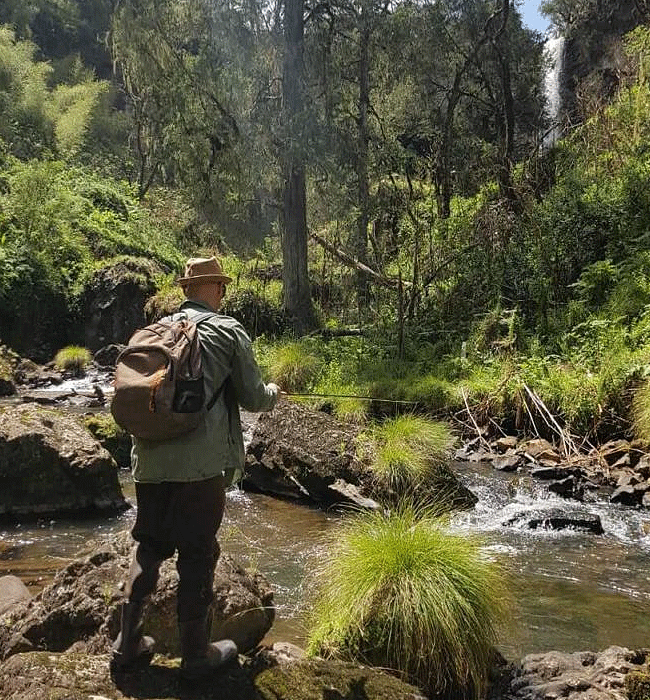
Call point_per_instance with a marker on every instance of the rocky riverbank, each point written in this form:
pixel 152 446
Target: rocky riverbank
pixel 59 639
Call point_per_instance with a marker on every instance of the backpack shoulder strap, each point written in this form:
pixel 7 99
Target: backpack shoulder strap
pixel 196 320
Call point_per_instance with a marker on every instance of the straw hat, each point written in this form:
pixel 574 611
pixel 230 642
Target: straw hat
pixel 203 270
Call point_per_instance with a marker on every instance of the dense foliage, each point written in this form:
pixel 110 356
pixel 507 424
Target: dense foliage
pixel 492 270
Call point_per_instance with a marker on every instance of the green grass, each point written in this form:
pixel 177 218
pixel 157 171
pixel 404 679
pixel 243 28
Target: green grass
pixel 72 359
pixel 398 591
pixel 641 413
pixel 291 364
pixel 407 450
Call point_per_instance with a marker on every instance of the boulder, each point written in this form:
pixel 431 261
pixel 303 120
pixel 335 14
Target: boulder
pixel 542 451
pixel 106 357
pixel 508 442
pixel 581 675
pixel 80 610
pixel 569 487
pixel 114 299
pixel 627 495
pixel 52 466
pixel 12 591
pixel 507 463
pixel 77 675
pixel 558 520
pixel 306 455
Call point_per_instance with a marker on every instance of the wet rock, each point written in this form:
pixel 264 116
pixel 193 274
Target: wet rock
pixel 79 610
pixel 50 465
pixel 570 487
pixel 558 520
pixel 482 456
pixel 77 675
pixel 301 454
pixel 507 463
pixel 46 398
pixel 643 466
pixel 626 496
pixel 553 472
pixel 350 495
pixel 106 357
pixel 12 591
pixel 577 676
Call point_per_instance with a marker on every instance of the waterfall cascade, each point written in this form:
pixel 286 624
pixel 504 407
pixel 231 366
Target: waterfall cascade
pixel 554 53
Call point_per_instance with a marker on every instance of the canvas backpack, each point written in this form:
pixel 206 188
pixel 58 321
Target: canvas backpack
pixel 159 392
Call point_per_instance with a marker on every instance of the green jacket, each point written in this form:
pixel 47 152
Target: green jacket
pixel 217 446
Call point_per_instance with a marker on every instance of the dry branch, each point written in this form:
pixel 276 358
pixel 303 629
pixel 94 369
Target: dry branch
pixel 356 264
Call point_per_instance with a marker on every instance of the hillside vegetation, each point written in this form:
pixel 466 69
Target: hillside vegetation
pixel 523 297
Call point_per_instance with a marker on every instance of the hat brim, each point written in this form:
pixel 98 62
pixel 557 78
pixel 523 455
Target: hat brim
pixel 205 278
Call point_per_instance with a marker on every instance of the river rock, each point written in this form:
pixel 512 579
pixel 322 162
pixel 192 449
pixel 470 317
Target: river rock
pixel 80 611
pixel 12 591
pixel 306 455
pixel 50 465
pixel 507 463
pixel 627 495
pixel 542 451
pixel 87 677
pixel 577 676
pixel 106 357
pixel 569 487
pixel 505 443
pixel 558 520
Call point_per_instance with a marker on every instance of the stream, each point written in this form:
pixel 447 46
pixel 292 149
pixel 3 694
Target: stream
pixel 572 591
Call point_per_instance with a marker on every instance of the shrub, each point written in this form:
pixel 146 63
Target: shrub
pixel 72 359
pixel 393 585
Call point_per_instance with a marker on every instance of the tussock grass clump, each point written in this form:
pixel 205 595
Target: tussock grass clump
pixel 407 450
pixel 292 365
pixel 398 591
pixel 72 358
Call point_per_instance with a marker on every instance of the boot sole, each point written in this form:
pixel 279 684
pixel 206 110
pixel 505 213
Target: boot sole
pixel 139 663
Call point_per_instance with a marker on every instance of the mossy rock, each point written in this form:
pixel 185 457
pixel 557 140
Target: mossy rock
pixel 637 686
pixel 317 679
pixel 74 676
pixel 113 438
pixel 8 361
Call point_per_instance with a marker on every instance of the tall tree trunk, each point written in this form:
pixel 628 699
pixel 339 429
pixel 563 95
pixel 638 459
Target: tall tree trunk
pixel 363 189
pixel 295 276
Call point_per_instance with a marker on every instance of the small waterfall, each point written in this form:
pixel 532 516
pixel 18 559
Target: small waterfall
pixel 554 53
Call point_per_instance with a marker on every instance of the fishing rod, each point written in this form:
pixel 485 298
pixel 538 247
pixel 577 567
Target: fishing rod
pixel 345 396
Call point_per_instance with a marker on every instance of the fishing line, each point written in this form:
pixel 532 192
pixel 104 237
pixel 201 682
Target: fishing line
pixel 347 396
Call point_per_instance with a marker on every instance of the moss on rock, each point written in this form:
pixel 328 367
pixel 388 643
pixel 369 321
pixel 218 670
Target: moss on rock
pixel 637 686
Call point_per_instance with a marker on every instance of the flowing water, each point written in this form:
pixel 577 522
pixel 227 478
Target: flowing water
pixel 571 590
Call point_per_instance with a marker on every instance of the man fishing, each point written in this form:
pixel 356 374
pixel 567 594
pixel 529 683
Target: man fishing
pixel 181 483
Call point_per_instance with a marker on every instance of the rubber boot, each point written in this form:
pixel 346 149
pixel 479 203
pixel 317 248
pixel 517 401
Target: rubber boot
pixel 131 649
pixel 200 657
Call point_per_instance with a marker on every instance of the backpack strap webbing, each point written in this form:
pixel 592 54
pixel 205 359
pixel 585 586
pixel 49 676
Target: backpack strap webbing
pixel 196 319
